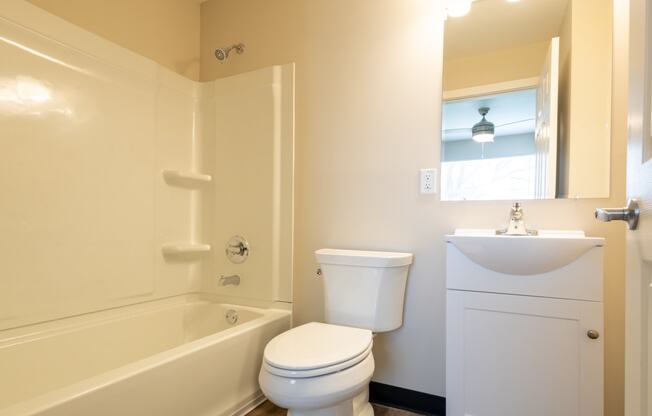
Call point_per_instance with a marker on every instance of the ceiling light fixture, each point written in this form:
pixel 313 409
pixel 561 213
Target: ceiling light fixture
pixel 458 8
pixel 483 131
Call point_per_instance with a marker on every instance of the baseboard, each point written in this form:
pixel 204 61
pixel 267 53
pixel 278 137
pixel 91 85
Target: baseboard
pixel 414 401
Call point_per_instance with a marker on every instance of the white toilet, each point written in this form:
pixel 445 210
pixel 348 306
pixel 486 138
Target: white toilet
pixel 324 368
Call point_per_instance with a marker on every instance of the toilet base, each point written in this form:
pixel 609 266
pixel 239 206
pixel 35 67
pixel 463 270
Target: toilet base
pixel 358 406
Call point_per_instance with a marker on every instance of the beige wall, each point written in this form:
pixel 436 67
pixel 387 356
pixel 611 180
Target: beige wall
pixel 584 117
pixel 495 66
pixel 166 31
pixel 589 106
pixel 368 89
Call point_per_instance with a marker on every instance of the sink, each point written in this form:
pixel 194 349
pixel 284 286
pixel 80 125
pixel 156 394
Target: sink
pixel 523 255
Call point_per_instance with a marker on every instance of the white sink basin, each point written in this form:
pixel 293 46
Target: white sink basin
pixel 523 255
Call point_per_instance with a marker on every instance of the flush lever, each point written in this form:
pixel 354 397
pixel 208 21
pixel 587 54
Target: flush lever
pixel 628 214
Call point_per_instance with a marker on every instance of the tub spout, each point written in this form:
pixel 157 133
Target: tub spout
pixel 229 280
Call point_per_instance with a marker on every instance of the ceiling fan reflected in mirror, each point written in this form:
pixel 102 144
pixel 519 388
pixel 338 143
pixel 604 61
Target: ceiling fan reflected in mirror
pixel 483 131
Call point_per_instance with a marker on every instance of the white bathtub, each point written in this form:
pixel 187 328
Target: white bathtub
pixel 176 357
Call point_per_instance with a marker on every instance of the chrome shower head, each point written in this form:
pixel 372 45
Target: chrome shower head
pixel 220 54
pixel 223 53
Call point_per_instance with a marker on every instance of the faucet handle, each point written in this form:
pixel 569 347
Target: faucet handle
pixel 517 211
pixel 516 225
pixel 237 249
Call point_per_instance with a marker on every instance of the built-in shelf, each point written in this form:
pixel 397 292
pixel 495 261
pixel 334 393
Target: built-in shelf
pixel 181 178
pixel 185 248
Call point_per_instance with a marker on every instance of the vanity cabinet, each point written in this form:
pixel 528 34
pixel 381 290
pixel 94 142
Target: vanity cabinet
pixel 524 344
pixel 512 355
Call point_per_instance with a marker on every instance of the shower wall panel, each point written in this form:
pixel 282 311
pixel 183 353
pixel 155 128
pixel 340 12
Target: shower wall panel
pixel 86 128
pixel 249 142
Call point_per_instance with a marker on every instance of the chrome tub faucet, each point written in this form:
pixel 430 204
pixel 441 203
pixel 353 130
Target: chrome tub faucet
pixel 233 280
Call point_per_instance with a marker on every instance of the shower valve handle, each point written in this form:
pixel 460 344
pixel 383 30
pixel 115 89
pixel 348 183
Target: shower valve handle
pixel 238 249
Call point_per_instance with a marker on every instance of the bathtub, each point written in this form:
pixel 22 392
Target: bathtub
pixel 181 356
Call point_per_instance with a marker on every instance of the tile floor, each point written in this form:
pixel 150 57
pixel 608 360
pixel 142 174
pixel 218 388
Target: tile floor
pixel 269 409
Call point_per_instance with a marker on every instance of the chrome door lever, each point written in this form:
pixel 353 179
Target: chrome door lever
pixel 628 214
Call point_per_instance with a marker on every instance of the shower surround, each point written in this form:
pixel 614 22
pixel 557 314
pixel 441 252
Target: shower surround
pixel 121 183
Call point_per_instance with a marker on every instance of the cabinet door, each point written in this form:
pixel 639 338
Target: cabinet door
pixel 511 355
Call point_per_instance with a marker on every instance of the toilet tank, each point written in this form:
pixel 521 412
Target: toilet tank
pixel 364 289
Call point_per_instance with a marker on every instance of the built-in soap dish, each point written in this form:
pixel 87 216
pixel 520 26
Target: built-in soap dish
pixel 186 179
pixel 181 249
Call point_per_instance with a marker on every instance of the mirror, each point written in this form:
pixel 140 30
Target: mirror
pixel 526 110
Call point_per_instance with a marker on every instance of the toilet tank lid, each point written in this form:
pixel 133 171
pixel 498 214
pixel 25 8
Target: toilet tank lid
pixel 362 258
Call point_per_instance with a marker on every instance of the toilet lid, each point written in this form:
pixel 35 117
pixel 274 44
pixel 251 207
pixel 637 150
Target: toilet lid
pixel 316 345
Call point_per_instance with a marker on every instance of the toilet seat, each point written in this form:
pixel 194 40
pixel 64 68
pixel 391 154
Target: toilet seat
pixel 316 349
pixel 315 372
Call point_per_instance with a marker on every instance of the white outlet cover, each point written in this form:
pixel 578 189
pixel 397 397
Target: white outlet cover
pixel 428 181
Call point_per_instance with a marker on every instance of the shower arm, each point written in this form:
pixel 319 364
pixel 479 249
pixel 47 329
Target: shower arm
pixel 239 48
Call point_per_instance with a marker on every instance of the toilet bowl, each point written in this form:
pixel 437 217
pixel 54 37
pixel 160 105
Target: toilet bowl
pixel 319 369
pixel 324 369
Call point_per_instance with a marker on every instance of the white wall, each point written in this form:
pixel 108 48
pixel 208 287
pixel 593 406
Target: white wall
pixel 87 127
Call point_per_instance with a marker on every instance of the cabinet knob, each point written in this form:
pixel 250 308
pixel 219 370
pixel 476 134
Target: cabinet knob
pixel 593 334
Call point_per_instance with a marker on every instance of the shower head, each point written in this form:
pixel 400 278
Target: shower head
pixel 222 54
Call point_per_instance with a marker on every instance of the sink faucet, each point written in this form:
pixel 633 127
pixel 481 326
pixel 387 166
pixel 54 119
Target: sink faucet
pixel 516 224
pixel 229 280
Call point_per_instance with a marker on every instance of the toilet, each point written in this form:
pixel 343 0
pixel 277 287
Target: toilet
pixel 322 369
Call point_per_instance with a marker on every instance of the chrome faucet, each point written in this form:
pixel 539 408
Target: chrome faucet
pixel 229 280
pixel 516 224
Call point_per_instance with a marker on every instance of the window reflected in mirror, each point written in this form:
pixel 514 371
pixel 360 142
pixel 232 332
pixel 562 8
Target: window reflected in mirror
pixel 495 165
pixel 527 100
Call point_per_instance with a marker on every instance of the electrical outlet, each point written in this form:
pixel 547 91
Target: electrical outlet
pixel 428 181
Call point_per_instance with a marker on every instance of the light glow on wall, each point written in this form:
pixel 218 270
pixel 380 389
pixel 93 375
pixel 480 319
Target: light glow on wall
pixel 29 96
pixel 41 54
pixel 458 8
pixel 24 91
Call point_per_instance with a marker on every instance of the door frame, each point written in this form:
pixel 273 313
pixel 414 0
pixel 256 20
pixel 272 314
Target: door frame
pixel 636 365
pixel 488 89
